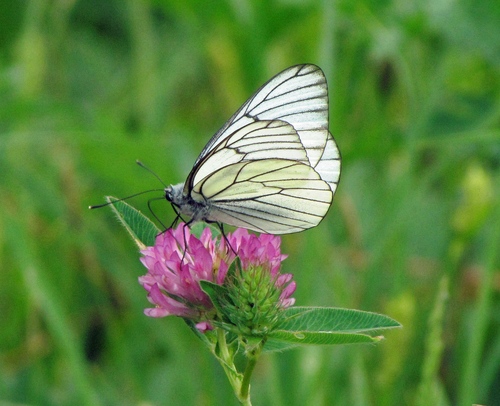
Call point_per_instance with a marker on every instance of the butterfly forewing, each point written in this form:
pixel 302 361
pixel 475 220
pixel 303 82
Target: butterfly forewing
pixel 258 140
pixel 298 96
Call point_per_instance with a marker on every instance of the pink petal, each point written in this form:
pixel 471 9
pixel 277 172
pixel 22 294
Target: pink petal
pixel 204 326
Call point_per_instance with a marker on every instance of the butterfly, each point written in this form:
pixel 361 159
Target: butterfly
pixel 273 167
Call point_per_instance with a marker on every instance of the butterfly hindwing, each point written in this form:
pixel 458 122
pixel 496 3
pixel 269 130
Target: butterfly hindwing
pixel 276 196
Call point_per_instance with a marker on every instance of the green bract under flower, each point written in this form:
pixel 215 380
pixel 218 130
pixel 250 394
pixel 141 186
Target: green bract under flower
pixel 255 290
pixel 252 302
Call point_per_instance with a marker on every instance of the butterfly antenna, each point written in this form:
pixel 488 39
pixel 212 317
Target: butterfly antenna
pixel 150 171
pixel 98 206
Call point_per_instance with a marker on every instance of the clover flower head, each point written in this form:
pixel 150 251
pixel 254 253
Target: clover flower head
pixel 179 261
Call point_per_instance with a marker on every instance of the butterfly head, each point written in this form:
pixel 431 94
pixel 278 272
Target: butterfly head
pixel 174 194
pixel 184 204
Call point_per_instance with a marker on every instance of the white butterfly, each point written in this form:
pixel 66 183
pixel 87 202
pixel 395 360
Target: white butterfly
pixel 274 166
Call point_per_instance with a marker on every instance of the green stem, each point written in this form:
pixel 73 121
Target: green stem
pixel 226 359
pixel 245 384
pixel 253 357
pixel 221 340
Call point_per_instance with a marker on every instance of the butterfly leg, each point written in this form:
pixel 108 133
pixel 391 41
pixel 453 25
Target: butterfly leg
pixel 177 217
pixel 221 228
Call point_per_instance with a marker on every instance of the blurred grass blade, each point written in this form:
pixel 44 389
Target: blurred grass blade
pixel 479 330
pixel 50 306
pixel 430 389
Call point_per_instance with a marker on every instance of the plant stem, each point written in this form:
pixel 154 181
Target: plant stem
pixel 226 359
pixel 253 356
pixel 245 384
pixel 221 340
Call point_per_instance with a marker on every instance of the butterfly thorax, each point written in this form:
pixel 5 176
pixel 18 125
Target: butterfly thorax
pixel 185 204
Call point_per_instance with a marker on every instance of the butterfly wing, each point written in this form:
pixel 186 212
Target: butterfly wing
pixel 298 96
pixel 255 141
pixel 274 196
pixel 260 178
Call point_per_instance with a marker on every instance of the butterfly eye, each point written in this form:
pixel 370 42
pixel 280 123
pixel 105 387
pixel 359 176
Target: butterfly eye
pixel 168 193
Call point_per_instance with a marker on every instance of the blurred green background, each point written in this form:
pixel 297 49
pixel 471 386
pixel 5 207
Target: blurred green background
pixel 88 87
